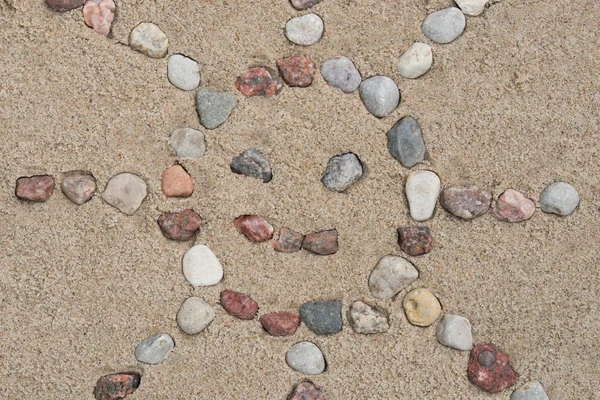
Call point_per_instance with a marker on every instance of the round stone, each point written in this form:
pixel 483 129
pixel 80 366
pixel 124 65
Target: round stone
pixel 154 349
pixel 380 95
pixel 306 357
pixel 183 72
pixel 305 30
pixel 530 391
pixel 296 71
pixel 405 142
pixel 490 369
pixel 421 307
pixel 194 315
pixel 342 171
pixel 148 39
pixel 390 276
pixel 367 320
pixel 415 61
pixel 559 198
pixel 455 331
pixel 125 192
pixel 187 143
pixel 422 191
pixel 471 7
pixel 201 267
pixel 341 73
pixel 445 25
pixel 78 187
pixel 99 15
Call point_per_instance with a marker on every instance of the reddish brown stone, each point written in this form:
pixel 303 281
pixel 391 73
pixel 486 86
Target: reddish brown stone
pixel 116 386
pixel 490 369
pixel 289 241
pixel 306 391
pixel 255 228
pixel 176 182
pixel 322 243
pixel 35 188
pixel 180 225
pixel 280 323
pixel 304 4
pixel 513 206
pixel 415 241
pixel 466 202
pixel 239 305
pixel 296 70
pixel 257 81
pixel 64 5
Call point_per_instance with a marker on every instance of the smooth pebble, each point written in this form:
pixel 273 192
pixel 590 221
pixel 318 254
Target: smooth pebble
pixel 305 30
pixel 466 202
pixel 201 267
pixel 513 206
pixel 415 240
pixel 125 192
pixel 37 188
pixel 390 276
pixel 306 391
pixel 422 191
pixel 176 182
pixel 194 315
pixel 472 7
pixel 214 107
pixel 66 5
pixel 304 4
pixel 416 61
pixel 421 307
pixel 254 164
pixel 187 143
pixel 342 171
pixel 322 243
pixel 79 187
pixel 445 25
pixel 380 95
pixel 322 317
pixel 183 72
pixel 149 39
pixel 559 198
pixel 306 357
pixel 455 331
pixel 341 73
pixel 530 391
pixel 405 142
pixel 366 319
pixel 154 349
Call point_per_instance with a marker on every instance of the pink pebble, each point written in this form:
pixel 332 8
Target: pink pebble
pixel 99 15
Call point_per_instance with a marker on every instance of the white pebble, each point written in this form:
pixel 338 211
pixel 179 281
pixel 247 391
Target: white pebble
pixel 201 267
pixel 183 72
pixel 415 61
pixel 559 198
pixel 390 276
pixel 154 349
pixel 194 315
pixel 187 143
pixel 445 25
pixel 380 95
pixel 455 331
pixel 530 391
pixel 305 30
pixel 422 191
pixel 148 39
pixel 125 192
pixel 367 320
pixel 306 357
pixel 471 7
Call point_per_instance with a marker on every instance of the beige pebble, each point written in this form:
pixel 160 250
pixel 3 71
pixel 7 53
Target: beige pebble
pixel 148 39
pixel 422 308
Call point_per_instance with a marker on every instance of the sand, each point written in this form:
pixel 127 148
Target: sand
pixel 513 103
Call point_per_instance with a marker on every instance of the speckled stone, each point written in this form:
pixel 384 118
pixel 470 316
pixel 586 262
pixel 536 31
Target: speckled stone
pixel 37 188
pixel 342 171
pixel 154 349
pixel 559 198
pixel 280 323
pixel 257 81
pixel 181 225
pixel 322 317
pixel 239 305
pixel 289 241
pixel 79 187
pixel 194 315
pixel 366 319
pixel 254 164
pixel 306 391
pixel 296 71
pixel 530 391
pixel 187 143
pixel 99 15
pixel 490 369
pixel 306 358
pixel 148 39
pixel 125 192
pixel 341 73
pixel 305 30
pixel 390 276
pixel 405 142
pixel 513 206
pixel 421 307
pixel 415 241
pixel 380 95
pixel 445 25
pixel 117 386
pixel 455 331
pixel 466 202
pixel 255 228
pixel 322 243
pixel 214 107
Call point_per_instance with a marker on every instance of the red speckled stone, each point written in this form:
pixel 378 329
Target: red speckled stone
pixel 490 369
pixel 289 241
pixel 306 391
pixel 466 202
pixel 415 241
pixel 296 70
pixel 116 386
pixel 280 323
pixel 322 243
pixel 239 305
pixel 513 206
pixel 255 228
pixel 180 225
pixel 36 188
pixel 257 81
pixel 304 4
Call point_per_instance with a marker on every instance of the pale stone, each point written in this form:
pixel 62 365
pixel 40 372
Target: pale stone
pixel 125 192
pixel 421 307
pixel 306 357
pixel 559 198
pixel 422 191
pixel 455 331
pixel 471 7
pixel 187 143
pixel 183 72
pixel 415 61
pixel 154 349
pixel 367 320
pixel 390 276
pixel 445 25
pixel 530 391
pixel 99 15
pixel 194 315
pixel 380 95
pixel 305 30
pixel 148 39
pixel 201 267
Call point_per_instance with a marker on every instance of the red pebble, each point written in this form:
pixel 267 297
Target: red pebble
pixel 280 323
pixel 306 391
pixel 322 243
pixel 180 225
pixel 490 369
pixel 415 241
pixel 35 188
pixel 239 305
pixel 289 241
pixel 304 4
pixel 257 81
pixel 116 386
pixel 255 228
pixel 64 5
pixel 296 70
pixel 513 206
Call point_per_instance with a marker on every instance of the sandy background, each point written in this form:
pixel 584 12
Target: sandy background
pixel 512 104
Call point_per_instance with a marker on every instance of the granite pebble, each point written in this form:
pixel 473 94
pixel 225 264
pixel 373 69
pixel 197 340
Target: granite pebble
pixel 257 81
pixel 37 188
pixel 154 349
pixel 125 192
pixel 183 72
pixel 306 391
pixel 254 164
pixel 341 73
pixel 405 142
pixel 117 386
pixel 342 171
pixel 305 30
pixel 214 107
pixel 415 241
pixel 289 241
pixel 280 323
pixel 559 198
pixel 444 26
pixel 322 243
pixel 455 331
pixel 79 187
pixel 490 369
pixel 149 39
pixel 239 305
pixel 513 206
pixel 422 191
pixel 415 61
pixel 466 202
pixel 181 225
pixel 306 357
pixel 367 320
pixel 390 276
pixel 322 317
pixel 296 71
pixel 201 267
pixel 187 143
pixel 255 228
pixel 194 315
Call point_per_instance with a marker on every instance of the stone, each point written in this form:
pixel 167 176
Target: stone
pixel 405 142
pixel 280 323
pixel 238 304
pixel 390 276
pixel 415 61
pixel 445 25
pixel 422 191
pixel 466 202
pixel 214 107
pixel 380 95
pixel 79 187
pixel 530 391
pixel 322 243
pixel 125 192
pixel 201 267
pixel 455 331
pixel 117 386
pixel 289 241
pixel 149 39
pixel 37 188
pixel 154 349
pixel 64 5
pixel 255 228
pixel 99 15
pixel 415 241
pixel 306 358
pixel 305 30
pixel 194 315
pixel 559 198
pixel 183 72
pixel 322 317
pixel 306 391
pixel 296 71
pixel 490 369
pixel 513 206
pixel 421 307
pixel 367 320
pixel 257 81
pixel 181 225
pixel 304 4
pixel 471 7
pixel 341 73
pixel 342 171
pixel 176 182
pixel 187 143
pixel 254 164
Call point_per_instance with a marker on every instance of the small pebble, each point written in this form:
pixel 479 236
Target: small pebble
pixel 257 81
pixel 530 391
pixel 306 391
pixel 466 202
pixel 322 243
pixel 304 4
pixel 187 143
pixel 201 267
pixel 37 188
pixel 280 323
pixel 559 198
pixel 296 71
pixel 415 61
pixel 305 30
pixel 405 142
pixel 180 226
pixel 148 39
pixel 341 73
pixel 64 5
pixel 390 276
pixel 255 228
pixel 154 349
pixel 322 317
pixel 445 25
pixel 380 95
pixel 289 241
pixel 306 358
pixel 238 304
pixel 455 331
pixel 471 7
pixel 422 191
pixel 421 307
pixel 78 187
pixel 513 206
pixel 214 107
pixel 415 241
pixel 99 15
pixel 490 369
pixel 183 72
pixel 342 171
pixel 254 164
pixel 367 320
pixel 176 182
pixel 194 315
pixel 125 192
pixel 116 386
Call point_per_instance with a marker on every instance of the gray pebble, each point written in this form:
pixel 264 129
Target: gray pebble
pixel 380 95
pixel 445 25
pixel 306 357
pixel 341 73
pixel 342 171
pixel 367 320
pixel 214 107
pixel 455 331
pixel 530 391
pixel 559 198
pixel 154 349
pixel 390 276
pixel 322 317
pixel 194 315
pixel 125 192
pixel 254 164
pixel 405 142
pixel 187 143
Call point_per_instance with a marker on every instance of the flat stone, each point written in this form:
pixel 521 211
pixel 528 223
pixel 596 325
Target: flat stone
pixel 342 171
pixel 530 391
pixel 380 95
pixel 214 107
pixel 415 241
pixel 513 206
pixel 187 143
pixel 99 15
pixel 37 188
pixel 422 191
pixel 154 349
pixel 125 192
pixel 289 241
pixel 415 61
pixel 257 81
pixel 194 315
pixel 472 7
pixel 322 243
pixel 201 267
pixel 296 71
pixel 255 228
pixel 148 39
pixel 176 182
pixel 490 369
pixel 183 72
pixel 445 25
pixel 181 225
pixel 322 317
pixel 405 142
pixel 421 307
pixel 559 198
pixel 254 164
pixel 305 30
pixel 306 391
pixel 466 202
pixel 78 187
pixel 306 358
pixel 116 386
pixel 390 276
pixel 341 73
pixel 367 320
pixel 239 305
pixel 64 5
pixel 455 331
pixel 280 323
pixel 303 5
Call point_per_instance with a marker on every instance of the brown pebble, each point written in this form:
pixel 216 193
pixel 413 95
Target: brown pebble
pixel 306 391
pixel 289 241
pixel 255 228
pixel 296 71
pixel 304 4
pixel 465 202
pixel 490 369
pixel 257 81
pixel 280 323
pixel 176 182
pixel 78 187
pixel 239 305
pixel 415 241
pixel 180 225
pixel 117 386
pixel 64 5
pixel 513 206
pixel 322 243
pixel 99 15
pixel 37 188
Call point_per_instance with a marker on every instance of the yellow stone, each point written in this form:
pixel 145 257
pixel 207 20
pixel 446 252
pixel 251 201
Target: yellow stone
pixel 422 308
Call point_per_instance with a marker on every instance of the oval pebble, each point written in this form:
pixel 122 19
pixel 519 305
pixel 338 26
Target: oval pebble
pixel 390 276
pixel 421 307
pixel 252 163
pixel 201 267
pixel 466 202
pixel 187 143
pixel 305 30
pixel 530 391
pixel 380 95
pixel 36 188
pixel 513 206
pixel 342 171
pixel 183 72
pixel 194 315
pixel 445 25
pixel 154 349
pixel 125 192
pixel 422 191
pixel 559 198
pixel 341 73
pixel 214 107
pixel 416 61
pixel 306 357
pixel 455 331
pixel 149 39
pixel 405 142
pixel 66 5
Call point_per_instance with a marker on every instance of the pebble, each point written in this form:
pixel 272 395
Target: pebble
pixel 255 228
pixel 116 386
pixel 280 323
pixel 304 4
pixel 201 267
pixel 445 25
pixel 422 191
pixel 181 225
pixel 559 198
pixel 176 182
pixel 513 206
pixel 187 143
pixel 322 243
pixel 380 95
pixel 257 81
pixel 421 307
pixel 367 320
pixel 405 142
pixel 289 241
pixel 37 188
pixel 306 358
pixel 154 349
pixel 466 202
pixel 148 39
pixel 99 15
pixel 183 72
pixel 490 369
pixel 125 192
pixel 322 317
pixel 78 187
pixel 64 5
pixel 194 315
pixel 416 61
pixel 305 30
pixel 341 73
pixel 214 107
pixel 342 171
pixel 415 241
pixel 296 71
pixel 530 391
pixel 238 304
pixel 471 7
pixel 390 276
pixel 455 331
pixel 254 164
pixel 306 391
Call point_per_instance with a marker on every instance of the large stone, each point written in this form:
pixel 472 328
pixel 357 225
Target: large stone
pixel 254 164
pixel 513 206
pixel 149 39
pixel 380 95
pixel 445 25
pixel 180 225
pixel 194 315
pixel 187 143
pixel 490 369
pixel 466 202
pixel 214 107
pixel 183 72
pixel 390 276
pixel 530 391
pixel 257 81
pixel 125 192
pixel 340 72
pixel 201 267
pixel 64 5
pixel 455 331
pixel 255 228
pixel 296 71
pixel 305 30
pixel 322 317
pixel 117 386
pixel 422 191
pixel 421 307
pixel 306 358
pixel 415 61
pixel 342 171
pixel 471 7
pixel 306 391
pixel 37 188
pixel 79 187
pixel 322 243
pixel 239 305
pixel 154 349
pixel 559 198
pixel 405 142
pixel 289 241
pixel 280 323
pixel 99 15
pixel 415 241
pixel 367 320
